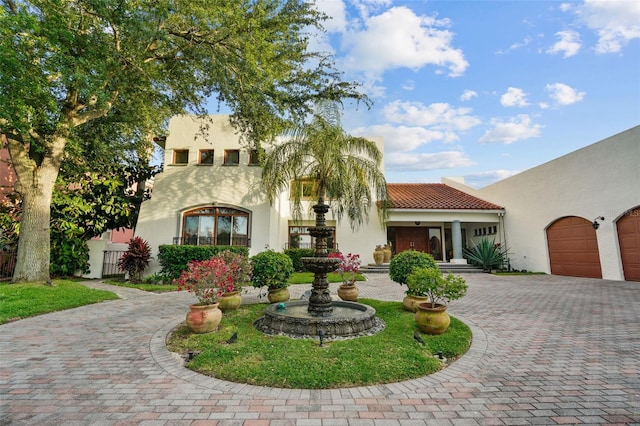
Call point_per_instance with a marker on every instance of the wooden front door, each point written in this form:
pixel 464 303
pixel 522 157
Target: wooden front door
pixel 415 238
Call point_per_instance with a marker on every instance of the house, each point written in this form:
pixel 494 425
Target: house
pixel 210 193
pixel 577 215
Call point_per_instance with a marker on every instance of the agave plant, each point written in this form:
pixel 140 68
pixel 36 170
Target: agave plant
pixel 487 254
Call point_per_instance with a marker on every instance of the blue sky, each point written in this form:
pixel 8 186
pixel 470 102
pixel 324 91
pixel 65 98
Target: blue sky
pixel 485 89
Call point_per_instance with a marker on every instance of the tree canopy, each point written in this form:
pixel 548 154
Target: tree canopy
pixel 343 170
pixel 111 71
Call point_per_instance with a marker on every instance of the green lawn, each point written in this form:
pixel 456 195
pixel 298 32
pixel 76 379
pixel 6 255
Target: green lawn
pixel 19 301
pixel 255 358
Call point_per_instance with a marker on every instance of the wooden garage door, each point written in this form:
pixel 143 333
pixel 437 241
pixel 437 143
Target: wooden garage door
pixel 629 239
pixel 573 248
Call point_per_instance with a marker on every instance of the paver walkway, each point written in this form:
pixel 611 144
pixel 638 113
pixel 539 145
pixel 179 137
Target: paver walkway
pixel 546 350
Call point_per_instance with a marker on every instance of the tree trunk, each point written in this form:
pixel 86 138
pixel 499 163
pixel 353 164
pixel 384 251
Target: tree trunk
pixel 35 185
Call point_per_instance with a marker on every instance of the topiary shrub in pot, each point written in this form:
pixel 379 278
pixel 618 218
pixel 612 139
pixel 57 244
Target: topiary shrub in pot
pixel 432 316
pixel 272 270
pixel 401 266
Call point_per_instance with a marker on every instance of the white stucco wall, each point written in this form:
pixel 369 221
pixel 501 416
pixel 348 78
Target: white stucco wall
pixel 184 187
pixel 602 179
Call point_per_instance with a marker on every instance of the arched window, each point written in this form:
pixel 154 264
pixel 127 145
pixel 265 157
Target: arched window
pixel 221 226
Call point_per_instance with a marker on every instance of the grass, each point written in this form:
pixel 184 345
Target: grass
pixel 255 358
pixel 18 301
pixel 307 277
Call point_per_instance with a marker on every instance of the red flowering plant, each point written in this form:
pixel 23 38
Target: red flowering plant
pixel 210 279
pixel 348 268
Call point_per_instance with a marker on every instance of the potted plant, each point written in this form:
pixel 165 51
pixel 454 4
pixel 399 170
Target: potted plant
pixel 272 270
pixel 348 270
pixel 239 274
pixel 205 279
pixel 401 266
pixel 432 316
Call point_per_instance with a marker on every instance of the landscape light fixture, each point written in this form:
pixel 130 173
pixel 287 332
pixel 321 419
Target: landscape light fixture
pixel 595 223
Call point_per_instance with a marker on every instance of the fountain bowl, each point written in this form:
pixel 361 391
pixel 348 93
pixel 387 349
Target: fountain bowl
pixel 347 320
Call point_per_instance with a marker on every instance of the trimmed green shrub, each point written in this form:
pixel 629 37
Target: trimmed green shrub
pixel 403 263
pixel 296 254
pixel 173 258
pixel 271 269
pixel 439 288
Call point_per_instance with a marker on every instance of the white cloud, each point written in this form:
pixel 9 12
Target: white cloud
pixel 514 97
pixel 440 116
pixel 399 38
pixel 409 85
pixel 467 95
pixel 400 138
pixel 422 161
pixel 515 129
pixel 616 22
pixel 337 12
pixel 482 179
pixel 563 94
pixel 569 43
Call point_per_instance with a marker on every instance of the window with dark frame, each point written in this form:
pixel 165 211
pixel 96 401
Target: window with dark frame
pixel 180 156
pixel 231 157
pixel 299 237
pixel 206 157
pixel 254 157
pixel 221 226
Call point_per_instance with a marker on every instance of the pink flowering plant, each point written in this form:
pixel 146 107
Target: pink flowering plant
pixel 210 279
pixel 349 266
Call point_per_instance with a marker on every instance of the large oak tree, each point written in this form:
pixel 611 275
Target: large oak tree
pixel 131 64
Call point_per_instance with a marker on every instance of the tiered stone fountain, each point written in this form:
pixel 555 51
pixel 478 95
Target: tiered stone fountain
pixel 320 316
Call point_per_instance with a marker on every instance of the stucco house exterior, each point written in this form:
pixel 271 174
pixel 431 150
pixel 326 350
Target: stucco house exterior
pixel 552 211
pixel 210 193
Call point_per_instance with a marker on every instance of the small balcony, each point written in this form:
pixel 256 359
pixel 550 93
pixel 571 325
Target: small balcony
pixel 194 240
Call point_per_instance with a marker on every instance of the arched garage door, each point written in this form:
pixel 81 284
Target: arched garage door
pixel 629 240
pixel 573 248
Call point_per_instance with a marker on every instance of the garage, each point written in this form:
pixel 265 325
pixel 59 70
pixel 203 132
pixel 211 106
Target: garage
pixel 629 240
pixel 573 248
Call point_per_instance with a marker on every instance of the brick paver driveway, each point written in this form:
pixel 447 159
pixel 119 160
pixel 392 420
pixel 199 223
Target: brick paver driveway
pixel 546 350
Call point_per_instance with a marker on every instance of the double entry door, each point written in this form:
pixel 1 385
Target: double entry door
pixel 424 239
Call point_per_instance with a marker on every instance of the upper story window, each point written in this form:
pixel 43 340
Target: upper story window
pixel 206 156
pixel 231 157
pixel 306 187
pixel 254 157
pixel 180 156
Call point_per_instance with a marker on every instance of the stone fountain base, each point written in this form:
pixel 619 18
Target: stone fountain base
pixel 348 319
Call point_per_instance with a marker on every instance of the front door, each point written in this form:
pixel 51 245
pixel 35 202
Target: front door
pixel 412 239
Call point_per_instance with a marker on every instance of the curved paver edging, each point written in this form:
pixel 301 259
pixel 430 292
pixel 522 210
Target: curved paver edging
pixel 174 366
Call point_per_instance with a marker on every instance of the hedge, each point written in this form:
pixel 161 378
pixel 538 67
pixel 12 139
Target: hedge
pixel 174 258
pixel 296 254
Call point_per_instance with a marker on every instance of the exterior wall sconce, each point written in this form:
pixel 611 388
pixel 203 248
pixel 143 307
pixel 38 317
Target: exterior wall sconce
pixel 595 223
pixel 417 222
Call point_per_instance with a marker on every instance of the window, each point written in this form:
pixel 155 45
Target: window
pixel 299 238
pixel 206 156
pixel 307 187
pixel 254 157
pixel 219 226
pixel 231 157
pixel 180 156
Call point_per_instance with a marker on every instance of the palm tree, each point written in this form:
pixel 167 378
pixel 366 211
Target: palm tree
pixel 342 169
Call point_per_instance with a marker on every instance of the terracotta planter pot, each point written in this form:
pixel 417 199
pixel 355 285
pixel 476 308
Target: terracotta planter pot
pixel 230 301
pixel 387 254
pixel 204 318
pixel 410 302
pixel 348 292
pixel 278 295
pixel 432 320
pixel 378 255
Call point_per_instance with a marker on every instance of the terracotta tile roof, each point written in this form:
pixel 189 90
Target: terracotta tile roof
pixel 434 196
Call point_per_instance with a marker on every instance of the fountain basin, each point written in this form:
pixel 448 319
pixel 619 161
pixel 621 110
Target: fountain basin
pixel 348 319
